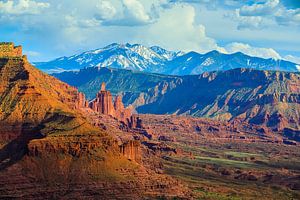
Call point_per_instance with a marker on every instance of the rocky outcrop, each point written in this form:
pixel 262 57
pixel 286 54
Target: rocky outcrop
pixel 135 122
pixel 49 149
pixel 81 101
pixel 8 49
pixel 76 146
pixel 104 104
pixel 131 150
pixel 165 128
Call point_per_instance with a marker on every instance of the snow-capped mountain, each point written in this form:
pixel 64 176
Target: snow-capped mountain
pixel 158 60
pixel 124 56
pixel 195 63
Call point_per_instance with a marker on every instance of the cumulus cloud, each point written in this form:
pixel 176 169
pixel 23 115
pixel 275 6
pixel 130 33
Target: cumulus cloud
pixel 252 51
pixel 66 28
pixel 250 22
pixel 130 13
pixel 21 7
pixel 260 15
pixel 177 29
pixel 259 9
pixel 288 17
pixel 106 10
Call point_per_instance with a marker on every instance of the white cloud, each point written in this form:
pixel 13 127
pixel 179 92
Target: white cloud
pixel 252 51
pixel 177 29
pixel 288 17
pixel 259 9
pixel 250 22
pixel 260 15
pixel 106 10
pixel 135 10
pixel 31 53
pixel 185 25
pixel 22 7
pixel 130 13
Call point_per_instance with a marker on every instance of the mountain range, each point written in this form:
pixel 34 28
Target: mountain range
pixel 57 144
pixel 158 60
pixel 268 98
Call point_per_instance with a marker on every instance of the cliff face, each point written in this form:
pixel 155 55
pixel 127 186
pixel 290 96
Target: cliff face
pixel 48 149
pixel 132 150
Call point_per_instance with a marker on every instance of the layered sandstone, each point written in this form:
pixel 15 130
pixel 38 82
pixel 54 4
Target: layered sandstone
pixel 131 150
pixel 8 49
pixel 104 104
pixel 49 150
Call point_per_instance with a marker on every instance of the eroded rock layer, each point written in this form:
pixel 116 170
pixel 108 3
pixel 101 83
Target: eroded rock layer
pixel 49 150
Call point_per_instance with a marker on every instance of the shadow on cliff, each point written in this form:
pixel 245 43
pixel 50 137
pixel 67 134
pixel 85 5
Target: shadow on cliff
pixel 16 149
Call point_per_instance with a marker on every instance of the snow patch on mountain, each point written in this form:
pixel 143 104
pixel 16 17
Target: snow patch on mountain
pixel 158 60
pixel 208 62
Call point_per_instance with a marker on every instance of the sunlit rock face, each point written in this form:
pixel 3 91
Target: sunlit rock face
pixel 104 104
pixel 8 49
pixel 48 146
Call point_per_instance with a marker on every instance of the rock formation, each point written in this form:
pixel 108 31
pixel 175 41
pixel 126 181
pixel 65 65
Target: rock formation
pixel 81 101
pixel 49 149
pixel 131 150
pixel 8 49
pixel 135 122
pixel 104 104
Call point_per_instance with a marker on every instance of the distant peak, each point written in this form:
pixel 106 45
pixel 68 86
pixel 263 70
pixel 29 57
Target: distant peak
pixel 214 52
pixel 157 48
pixel 238 53
pixel 112 45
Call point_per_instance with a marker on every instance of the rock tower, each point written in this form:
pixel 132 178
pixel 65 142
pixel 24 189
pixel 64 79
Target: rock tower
pixel 104 104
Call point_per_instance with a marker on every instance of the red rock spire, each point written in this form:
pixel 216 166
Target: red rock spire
pixel 104 104
pixel 103 87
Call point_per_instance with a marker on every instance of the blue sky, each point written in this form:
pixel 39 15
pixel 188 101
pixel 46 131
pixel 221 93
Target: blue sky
pixel 52 28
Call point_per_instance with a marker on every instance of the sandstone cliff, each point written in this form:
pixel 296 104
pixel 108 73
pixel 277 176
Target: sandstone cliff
pixel 49 150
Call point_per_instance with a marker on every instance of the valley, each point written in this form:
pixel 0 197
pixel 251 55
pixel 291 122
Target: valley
pixel 221 166
pixel 60 143
pixel 149 100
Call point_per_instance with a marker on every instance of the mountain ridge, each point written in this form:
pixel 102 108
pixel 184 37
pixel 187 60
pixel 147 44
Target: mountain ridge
pixel 159 60
pixel 264 97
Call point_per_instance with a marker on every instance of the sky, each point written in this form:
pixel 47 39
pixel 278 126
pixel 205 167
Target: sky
pixel 48 29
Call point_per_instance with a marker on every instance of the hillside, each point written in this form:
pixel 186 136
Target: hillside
pixel 262 97
pixel 49 149
pixel 158 60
